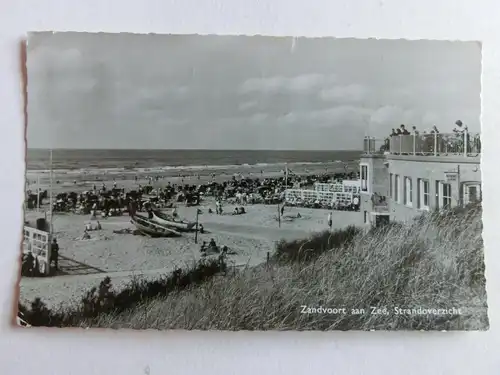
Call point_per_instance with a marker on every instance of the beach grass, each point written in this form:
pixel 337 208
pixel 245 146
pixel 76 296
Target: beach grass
pixel 105 300
pixel 344 280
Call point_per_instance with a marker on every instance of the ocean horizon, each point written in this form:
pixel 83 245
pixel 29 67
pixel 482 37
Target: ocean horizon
pixel 74 159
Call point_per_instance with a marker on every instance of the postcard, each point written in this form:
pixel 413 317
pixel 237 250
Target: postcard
pixel 252 183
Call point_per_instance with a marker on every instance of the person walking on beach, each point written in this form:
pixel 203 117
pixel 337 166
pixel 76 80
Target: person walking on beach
pixel 54 254
pixel 93 212
pixel 330 221
pixel 355 203
pixel 203 248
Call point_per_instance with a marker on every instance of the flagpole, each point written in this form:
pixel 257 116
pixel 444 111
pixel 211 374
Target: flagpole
pixel 196 228
pixel 38 194
pixel 286 175
pixel 279 216
pixel 50 189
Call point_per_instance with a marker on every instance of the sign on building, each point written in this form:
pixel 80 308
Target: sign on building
pixel 451 176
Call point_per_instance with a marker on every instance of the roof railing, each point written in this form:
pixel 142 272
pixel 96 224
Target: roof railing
pixel 433 144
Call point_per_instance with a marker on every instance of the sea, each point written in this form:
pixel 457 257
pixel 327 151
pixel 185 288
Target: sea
pixel 121 160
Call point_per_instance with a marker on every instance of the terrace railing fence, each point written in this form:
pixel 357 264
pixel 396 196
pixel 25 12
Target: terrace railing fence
pixel 434 144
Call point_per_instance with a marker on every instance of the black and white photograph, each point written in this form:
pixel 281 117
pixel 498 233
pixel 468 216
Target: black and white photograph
pixel 206 182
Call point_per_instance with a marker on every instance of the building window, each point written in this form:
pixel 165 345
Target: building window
pixel 472 193
pixel 364 177
pixel 391 188
pixel 443 195
pixel 423 194
pixel 438 187
pixel 396 188
pixel 446 195
pixel 366 217
pixel 408 192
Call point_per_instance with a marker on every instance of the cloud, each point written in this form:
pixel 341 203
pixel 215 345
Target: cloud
pixel 69 56
pixel 258 117
pixel 82 85
pixel 349 93
pixel 387 117
pixel 247 105
pixel 331 117
pixel 177 92
pixel 298 84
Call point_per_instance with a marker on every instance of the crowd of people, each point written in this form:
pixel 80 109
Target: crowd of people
pixel 116 201
pixel 450 142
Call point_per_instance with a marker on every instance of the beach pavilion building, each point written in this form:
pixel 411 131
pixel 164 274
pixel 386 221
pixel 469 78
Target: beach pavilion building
pixel 405 175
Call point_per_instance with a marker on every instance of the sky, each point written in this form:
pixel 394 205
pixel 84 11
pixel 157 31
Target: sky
pixel 135 91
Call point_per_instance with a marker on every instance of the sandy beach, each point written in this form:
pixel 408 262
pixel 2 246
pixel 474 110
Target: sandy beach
pixel 85 263
pixel 64 181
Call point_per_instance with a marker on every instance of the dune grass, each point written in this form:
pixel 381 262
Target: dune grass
pixel 434 262
pixel 105 300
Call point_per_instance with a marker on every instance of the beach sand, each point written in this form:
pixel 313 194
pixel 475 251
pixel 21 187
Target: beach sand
pixel 122 256
pixel 126 179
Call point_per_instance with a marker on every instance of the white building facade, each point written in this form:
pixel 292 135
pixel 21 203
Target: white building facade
pixel 406 175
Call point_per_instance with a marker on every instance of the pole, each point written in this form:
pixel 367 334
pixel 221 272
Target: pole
pixel 50 188
pixel 279 216
pixel 196 229
pixel 286 176
pixel 466 142
pixel 38 194
pixel 460 194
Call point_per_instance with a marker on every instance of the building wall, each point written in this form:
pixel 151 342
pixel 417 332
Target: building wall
pixel 378 182
pixel 433 170
pixel 380 177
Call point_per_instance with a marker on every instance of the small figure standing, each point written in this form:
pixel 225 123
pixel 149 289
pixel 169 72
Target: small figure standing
pixel 54 254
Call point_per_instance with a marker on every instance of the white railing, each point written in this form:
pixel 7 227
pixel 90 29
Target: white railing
pixel 38 243
pixel 297 196
pixel 346 186
pixel 372 145
pixel 436 144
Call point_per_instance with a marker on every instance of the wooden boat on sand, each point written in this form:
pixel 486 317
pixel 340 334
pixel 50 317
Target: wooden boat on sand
pixel 169 221
pixel 152 228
